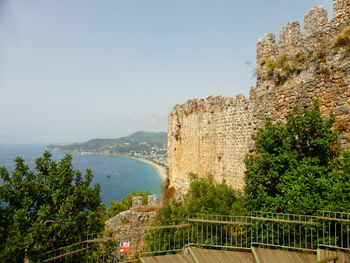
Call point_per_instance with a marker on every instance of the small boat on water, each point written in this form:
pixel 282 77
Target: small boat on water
pixel 108 175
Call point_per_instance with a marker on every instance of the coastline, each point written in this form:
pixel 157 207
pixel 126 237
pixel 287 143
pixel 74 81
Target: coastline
pixel 161 170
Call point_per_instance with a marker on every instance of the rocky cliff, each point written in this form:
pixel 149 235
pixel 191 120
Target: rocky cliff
pixel 212 136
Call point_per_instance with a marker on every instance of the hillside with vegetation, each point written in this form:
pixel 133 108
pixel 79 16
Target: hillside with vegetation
pixel 147 145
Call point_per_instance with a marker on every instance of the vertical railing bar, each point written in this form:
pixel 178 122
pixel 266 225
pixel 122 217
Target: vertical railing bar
pixel 342 232
pixel 335 233
pixel 294 232
pixel 300 237
pixel 317 232
pixel 311 244
pixel 221 235
pixel 216 232
pixel 262 232
pixel 211 231
pixel 251 233
pixel 283 233
pixel 329 229
pixel 306 237
pixel 169 238
pixel 207 234
pixel 324 228
pixel 348 232
pixel 289 218
pixel 246 235
pixel 226 234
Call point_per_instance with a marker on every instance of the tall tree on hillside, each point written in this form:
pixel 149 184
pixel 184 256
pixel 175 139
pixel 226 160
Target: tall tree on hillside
pixel 43 210
pixel 293 167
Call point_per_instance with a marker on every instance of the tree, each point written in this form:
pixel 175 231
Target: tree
pixel 293 167
pixel 43 210
pixel 338 194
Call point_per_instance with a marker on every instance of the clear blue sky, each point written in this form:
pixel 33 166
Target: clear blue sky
pixel 71 70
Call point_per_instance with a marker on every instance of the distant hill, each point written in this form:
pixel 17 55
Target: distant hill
pixel 141 144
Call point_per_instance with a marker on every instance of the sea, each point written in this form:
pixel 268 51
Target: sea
pixel 117 175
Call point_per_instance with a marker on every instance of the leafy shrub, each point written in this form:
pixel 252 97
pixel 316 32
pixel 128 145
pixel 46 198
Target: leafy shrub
pixel 204 196
pixel 293 169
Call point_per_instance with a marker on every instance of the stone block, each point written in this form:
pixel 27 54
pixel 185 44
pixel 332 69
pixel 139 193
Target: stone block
pixel 315 20
pixel 152 200
pixel 136 201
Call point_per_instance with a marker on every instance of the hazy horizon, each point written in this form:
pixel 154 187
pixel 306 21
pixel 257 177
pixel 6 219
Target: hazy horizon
pixel 70 142
pixel 71 71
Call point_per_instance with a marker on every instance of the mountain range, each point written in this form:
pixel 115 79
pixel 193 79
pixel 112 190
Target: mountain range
pixel 141 144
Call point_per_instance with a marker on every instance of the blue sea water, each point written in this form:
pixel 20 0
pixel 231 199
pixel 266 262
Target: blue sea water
pixel 126 174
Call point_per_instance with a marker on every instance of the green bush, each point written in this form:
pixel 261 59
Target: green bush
pixel 296 168
pixel 204 196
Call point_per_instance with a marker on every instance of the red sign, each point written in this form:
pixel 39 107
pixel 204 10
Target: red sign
pixel 124 250
pixel 124 247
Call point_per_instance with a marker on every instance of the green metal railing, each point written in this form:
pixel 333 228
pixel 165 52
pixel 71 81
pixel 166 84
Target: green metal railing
pixel 329 230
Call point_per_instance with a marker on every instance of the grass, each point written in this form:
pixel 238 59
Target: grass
pixel 271 65
pixel 298 59
pixel 281 68
pixel 343 39
pixel 125 220
pixel 284 66
pixel 321 56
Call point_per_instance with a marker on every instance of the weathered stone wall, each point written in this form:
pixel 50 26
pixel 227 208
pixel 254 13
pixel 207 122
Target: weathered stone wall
pixel 205 140
pixel 212 136
pixel 130 224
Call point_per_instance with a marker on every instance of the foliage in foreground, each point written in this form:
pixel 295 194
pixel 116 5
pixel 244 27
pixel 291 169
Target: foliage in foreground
pixel 126 203
pixel 43 210
pixel 297 167
pixel 204 196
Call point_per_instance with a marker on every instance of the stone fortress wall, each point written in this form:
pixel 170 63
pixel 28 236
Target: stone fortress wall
pixel 212 136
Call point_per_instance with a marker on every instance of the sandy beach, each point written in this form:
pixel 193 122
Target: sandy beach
pixel 161 170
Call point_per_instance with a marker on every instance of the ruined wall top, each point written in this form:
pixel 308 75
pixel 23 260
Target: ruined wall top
pixel 152 200
pixel 209 104
pixel 315 24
